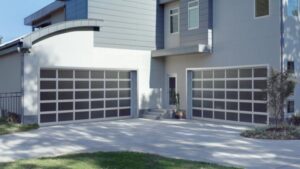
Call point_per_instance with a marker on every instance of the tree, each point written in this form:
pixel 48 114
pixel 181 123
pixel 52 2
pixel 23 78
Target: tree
pixel 280 86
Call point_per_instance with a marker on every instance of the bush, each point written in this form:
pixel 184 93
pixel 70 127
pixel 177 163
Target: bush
pixel 295 120
pixel 274 133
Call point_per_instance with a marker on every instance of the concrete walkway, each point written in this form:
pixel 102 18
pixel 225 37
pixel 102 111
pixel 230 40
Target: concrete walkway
pixel 192 140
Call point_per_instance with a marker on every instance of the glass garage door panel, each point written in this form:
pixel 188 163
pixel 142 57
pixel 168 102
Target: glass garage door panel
pixel 231 94
pixel 77 95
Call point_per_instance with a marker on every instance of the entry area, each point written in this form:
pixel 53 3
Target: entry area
pixel 229 94
pixel 75 95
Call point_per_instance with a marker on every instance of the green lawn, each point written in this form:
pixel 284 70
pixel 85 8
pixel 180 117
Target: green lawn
pixel 117 160
pixel 8 128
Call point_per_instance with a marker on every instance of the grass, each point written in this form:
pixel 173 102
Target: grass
pixel 282 133
pixel 111 160
pixel 8 128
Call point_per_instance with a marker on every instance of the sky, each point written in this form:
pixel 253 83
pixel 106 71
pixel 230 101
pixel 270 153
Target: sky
pixel 12 14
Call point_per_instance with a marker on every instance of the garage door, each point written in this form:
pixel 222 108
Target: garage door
pixel 230 94
pixel 68 96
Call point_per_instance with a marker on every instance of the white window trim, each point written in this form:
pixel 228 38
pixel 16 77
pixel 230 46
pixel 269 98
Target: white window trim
pixel 190 8
pixel 261 17
pixel 170 15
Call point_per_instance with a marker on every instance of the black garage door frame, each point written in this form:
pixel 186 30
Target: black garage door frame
pixel 124 93
pixel 201 105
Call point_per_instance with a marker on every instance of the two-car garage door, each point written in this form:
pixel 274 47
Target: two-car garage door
pixel 68 95
pixel 230 94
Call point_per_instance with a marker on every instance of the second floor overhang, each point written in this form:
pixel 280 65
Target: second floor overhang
pixel 185 50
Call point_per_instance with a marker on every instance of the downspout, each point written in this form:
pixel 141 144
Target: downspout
pixel 281 36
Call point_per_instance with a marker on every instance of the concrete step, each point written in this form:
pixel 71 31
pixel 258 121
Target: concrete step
pixel 159 110
pixel 150 116
pixel 153 113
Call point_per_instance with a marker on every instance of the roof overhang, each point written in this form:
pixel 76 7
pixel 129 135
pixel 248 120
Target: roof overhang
pixel 162 2
pixel 44 12
pixel 186 50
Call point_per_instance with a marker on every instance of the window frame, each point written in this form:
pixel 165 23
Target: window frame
pixel 191 8
pixel 288 66
pixel 288 107
pixel 265 16
pixel 170 20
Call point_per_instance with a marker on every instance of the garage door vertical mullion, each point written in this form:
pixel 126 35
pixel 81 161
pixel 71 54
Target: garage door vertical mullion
pixel 104 95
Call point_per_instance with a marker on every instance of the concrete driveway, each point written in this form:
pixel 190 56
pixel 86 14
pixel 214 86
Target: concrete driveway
pixel 192 140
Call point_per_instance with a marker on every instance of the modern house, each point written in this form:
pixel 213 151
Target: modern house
pixel 90 60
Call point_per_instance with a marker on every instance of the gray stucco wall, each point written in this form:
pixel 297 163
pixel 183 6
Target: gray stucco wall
pixel 291 50
pixel 239 39
pixel 10 73
pixel 130 24
pixel 76 9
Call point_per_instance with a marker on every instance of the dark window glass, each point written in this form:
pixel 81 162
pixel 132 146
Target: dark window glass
pixel 111 75
pixel 65 95
pixel 124 75
pixel 125 112
pixel 48 73
pixel 232 116
pixel 65 85
pixel 207 104
pixel 125 84
pixel 197 74
pixel 82 85
pixel 207 94
pixel 97 84
pixel 111 103
pixel 197 113
pixel 82 95
pixel 197 103
pixel 47 107
pixel 125 103
pixel 97 94
pixel 111 84
pixel 97 104
pixel 219 73
pixel 261 119
pixel 48 96
pixel 260 107
pixel 232 95
pixel 47 118
pixel 197 94
pixel 65 117
pixel 208 74
pixel 232 106
pixel 65 106
pixel 246 106
pixel 207 114
pixel 81 105
pixel 207 84
pixel 246 118
pixel 111 113
pixel 232 73
pixel 260 96
pixel 219 95
pixel 219 84
pixel 97 114
pixel 111 94
pixel 48 85
pixel 246 95
pixel 232 84
pixel 261 72
pixel 82 74
pixel 197 84
pixel 65 74
pixel 81 115
pixel 260 84
pixel 245 73
pixel 291 106
pixel 124 93
pixel 290 67
pixel 261 8
pixel 246 84
pixel 219 105
pixel 219 115
pixel 97 74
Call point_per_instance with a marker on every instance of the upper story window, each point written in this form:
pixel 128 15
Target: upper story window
pixel 291 106
pixel 174 20
pixel 293 8
pixel 290 67
pixel 193 14
pixel 262 8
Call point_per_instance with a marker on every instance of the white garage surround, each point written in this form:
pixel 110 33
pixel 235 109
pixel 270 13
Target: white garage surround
pixel 231 94
pixel 80 95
